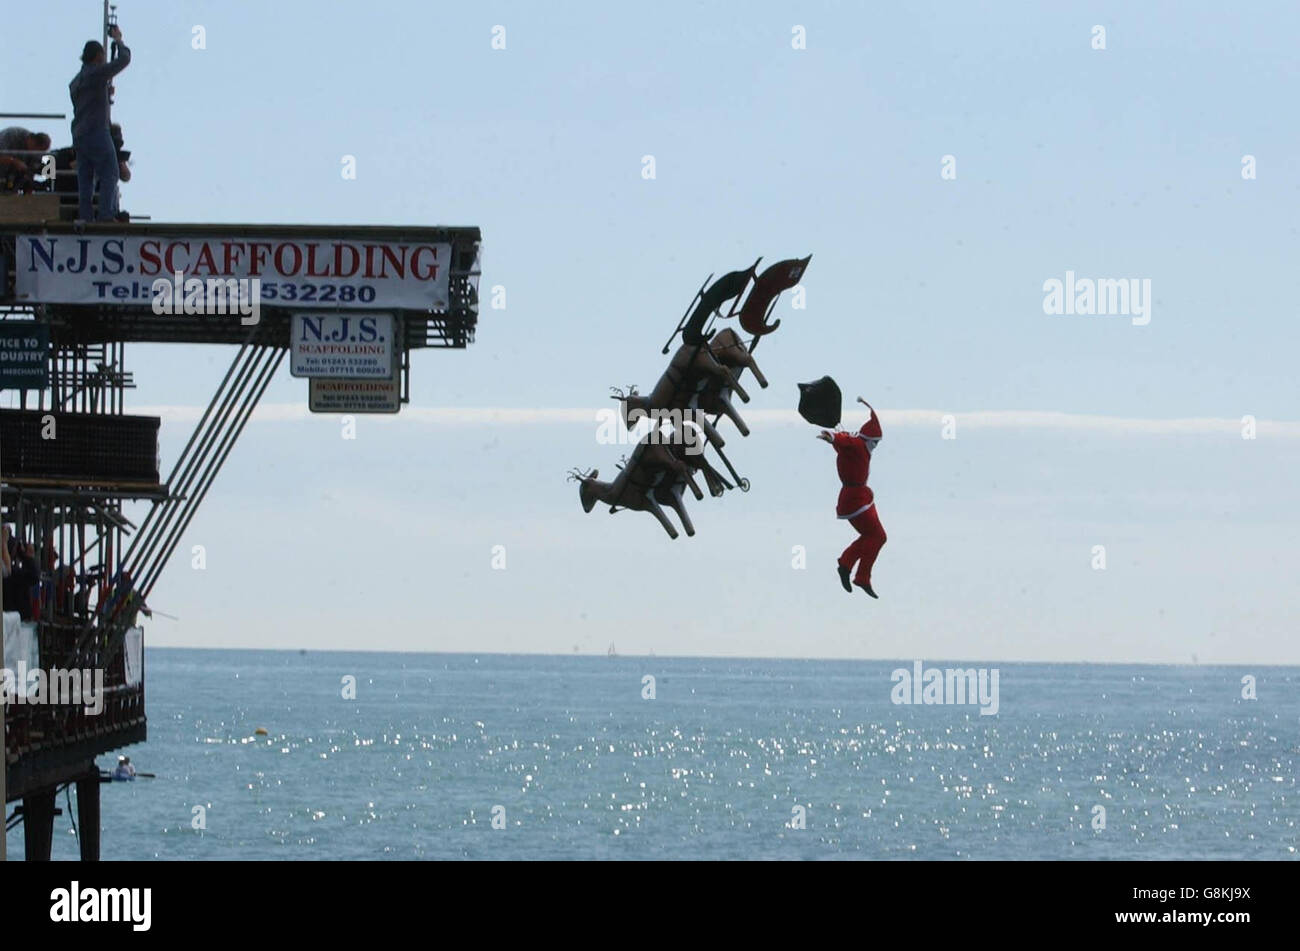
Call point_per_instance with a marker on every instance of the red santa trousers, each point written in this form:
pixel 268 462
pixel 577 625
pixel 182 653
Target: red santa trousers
pixel 864 549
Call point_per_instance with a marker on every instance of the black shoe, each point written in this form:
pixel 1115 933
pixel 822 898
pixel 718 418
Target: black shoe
pixel 844 579
pixel 867 588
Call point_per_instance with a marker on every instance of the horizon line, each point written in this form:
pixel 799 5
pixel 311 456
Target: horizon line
pixel 728 657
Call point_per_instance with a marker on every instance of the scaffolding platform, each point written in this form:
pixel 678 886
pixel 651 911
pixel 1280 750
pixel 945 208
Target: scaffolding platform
pixel 71 298
pixel 79 448
pixel 94 281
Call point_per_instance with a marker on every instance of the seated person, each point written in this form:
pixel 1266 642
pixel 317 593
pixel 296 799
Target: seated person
pixel 123 165
pixel 65 586
pixel 123 155
pixel 125 602
pixel 134 607
pixel 17 171
pixel 24 576
pixel 125 772
pixel 88 584
pixel 65 170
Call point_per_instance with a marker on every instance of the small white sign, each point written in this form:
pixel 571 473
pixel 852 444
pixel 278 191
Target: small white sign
pixel 354 396
pixel 341 346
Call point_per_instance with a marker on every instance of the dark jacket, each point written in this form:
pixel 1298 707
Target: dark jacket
pixel 24 576
pixel 89 91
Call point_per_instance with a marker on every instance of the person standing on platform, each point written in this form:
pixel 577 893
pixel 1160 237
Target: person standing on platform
pixel 91 136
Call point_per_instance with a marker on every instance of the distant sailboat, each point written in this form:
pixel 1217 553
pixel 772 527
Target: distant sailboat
pixel 611 652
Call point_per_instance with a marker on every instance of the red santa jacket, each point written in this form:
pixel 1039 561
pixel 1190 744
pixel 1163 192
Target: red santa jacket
pixel 853 462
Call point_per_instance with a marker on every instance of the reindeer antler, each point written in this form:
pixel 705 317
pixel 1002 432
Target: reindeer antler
pixel 577 475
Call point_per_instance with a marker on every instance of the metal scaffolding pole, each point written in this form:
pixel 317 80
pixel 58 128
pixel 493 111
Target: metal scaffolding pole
pixel 191 459
pixel 228 439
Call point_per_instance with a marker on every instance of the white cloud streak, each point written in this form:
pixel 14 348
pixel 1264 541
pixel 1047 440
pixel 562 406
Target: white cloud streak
pixel 981 419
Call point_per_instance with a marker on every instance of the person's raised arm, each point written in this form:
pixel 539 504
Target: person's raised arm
pixel 123 58
pixel 106 71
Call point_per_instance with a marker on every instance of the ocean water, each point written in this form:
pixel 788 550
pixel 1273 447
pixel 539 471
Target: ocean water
pixel 578 765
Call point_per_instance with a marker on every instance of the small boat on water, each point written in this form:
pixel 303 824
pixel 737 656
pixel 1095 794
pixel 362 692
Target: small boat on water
pixel 611 652
pixel 124 773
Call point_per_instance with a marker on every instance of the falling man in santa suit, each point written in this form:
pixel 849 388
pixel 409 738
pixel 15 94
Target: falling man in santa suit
pixel 857 502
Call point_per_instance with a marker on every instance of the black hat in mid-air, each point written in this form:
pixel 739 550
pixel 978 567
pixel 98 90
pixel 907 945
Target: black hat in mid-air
pixel 821 402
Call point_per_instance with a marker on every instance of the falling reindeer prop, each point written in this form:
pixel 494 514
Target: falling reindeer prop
pixel 697 462
pixel 653 474
pixel 699 382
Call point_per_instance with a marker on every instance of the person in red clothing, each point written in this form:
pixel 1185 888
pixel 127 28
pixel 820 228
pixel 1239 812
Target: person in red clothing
pixel 857 502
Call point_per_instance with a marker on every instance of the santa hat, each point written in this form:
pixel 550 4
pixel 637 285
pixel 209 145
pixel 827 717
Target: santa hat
pixel 871 428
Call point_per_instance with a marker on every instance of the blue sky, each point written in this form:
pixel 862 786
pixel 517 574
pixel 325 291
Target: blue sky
pixel 924 295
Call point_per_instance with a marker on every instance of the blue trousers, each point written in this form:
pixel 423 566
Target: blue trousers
pixel 96 161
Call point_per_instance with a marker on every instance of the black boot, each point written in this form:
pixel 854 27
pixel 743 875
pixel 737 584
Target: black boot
pixel 867 588
pixel 844 579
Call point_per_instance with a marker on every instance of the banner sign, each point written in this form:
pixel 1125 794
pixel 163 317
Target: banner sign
pixel 354 396
pixel 24 355
pixel 80 269
pixel 341 346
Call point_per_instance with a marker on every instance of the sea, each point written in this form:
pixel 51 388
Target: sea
pixel 506 757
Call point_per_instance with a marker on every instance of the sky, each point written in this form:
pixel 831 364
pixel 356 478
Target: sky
pixel 925 295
